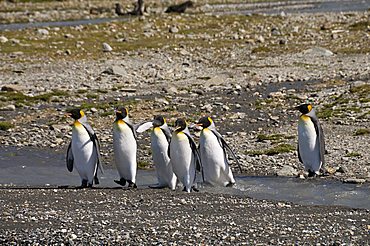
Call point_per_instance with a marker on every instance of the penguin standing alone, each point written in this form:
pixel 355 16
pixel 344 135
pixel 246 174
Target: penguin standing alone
pixel 311 144
pixel 159 142
pixel 184 155
pixel 212 148
pixel 84 150
pixel 125 147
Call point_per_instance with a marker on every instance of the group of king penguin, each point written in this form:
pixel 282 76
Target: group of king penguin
pixel 176 156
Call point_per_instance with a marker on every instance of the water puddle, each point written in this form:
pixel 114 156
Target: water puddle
pixel 273 7
pixel 17 26
pixel 27 167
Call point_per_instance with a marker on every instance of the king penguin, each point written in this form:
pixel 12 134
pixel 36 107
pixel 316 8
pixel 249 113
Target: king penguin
pixel 213 148
pixel 84 150
pixel 124 147
pixel 159 142
pixel 184 155
pixel 311 145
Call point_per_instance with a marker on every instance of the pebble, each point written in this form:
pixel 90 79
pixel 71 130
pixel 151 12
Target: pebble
pixel 3 39
pixel 107 47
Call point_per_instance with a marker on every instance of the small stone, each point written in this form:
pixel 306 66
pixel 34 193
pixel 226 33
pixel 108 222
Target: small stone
pixel 12 88
pixel 174 29
pixel 107 47
pixel 10 107
pixel 287 171
pixel 318 51
pixel 3 39
pixel 43 32
pixel 354 181
pixel 93 110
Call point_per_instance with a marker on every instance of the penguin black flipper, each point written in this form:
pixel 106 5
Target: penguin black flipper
pixel 226 147
pixel 320 134
pixel 132 129
pixel 70 158
pixel 194 148
pixel 299 154
pixel 166 131
pixel 96 144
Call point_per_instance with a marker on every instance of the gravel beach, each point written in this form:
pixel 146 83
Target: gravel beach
pixel 244 68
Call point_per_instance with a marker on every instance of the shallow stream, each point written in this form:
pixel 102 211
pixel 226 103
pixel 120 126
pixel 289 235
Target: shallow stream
pixel 33 168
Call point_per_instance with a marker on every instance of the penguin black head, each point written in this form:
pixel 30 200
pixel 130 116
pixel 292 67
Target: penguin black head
pixel 75 113
pixel 121 113
pixel 180 125
pixel 158 121
pixel 304 108
pixel 205 122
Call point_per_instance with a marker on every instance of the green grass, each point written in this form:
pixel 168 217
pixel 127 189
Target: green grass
pixel 272 137
pixel 281 148
pixel 353 154
pixel 19 97
pixel 362 131
pixel 360 26
pixel 4 125
pixel 143 165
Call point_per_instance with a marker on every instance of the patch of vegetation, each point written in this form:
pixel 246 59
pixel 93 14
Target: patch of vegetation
pixel 4 125
pixel 281 148
pixel 353 154
pixel 361 91
pixel 92 96
pixel 19 97
pixel 360 26
pixel 261 49
pixel 143 165
pixel 272 137
pixel 362 131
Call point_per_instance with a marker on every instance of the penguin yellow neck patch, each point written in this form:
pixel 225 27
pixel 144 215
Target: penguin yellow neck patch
pixel 305 117
pixel 121 122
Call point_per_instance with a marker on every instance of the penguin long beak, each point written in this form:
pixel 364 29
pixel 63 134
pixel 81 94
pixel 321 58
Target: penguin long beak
pixel 67 114
pixel 198 127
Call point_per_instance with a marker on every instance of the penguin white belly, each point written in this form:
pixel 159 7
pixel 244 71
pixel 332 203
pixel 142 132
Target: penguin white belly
pixel 309 146
pixel 124 146
pixel 182 160
pixel 84 153
pixel 159 146
pixel 215 167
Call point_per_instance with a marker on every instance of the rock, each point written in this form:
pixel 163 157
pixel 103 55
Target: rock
pixel 170 90
pixel 107 47
pixel 43 32
pixel 277 94
pixel 318 51
pixel 287 171
pixel 354 181
pixel 3 39
pixel 174 29
pixel 208 108
pixel 115 70
pixel 10 107
pixel 12 88
pixel 93 110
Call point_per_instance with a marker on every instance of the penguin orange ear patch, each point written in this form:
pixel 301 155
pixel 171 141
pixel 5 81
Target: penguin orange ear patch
pixel 309 107
pixel 210 120
pixel 82 113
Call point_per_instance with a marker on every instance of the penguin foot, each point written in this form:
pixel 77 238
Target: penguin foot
pixel 195 189
pixel 83 184
pixel 121 182
pixel 230 184
pixel 311 174
pixel 96 180
pixel 131 184
pixel 186 189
